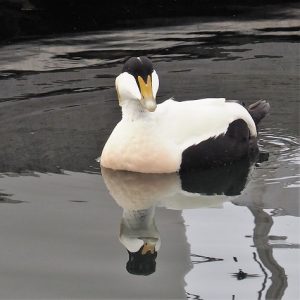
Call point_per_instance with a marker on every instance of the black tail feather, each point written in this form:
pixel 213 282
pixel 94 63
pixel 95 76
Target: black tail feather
pixel 259 110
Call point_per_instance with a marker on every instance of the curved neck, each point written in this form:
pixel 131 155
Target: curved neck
pixel 133 110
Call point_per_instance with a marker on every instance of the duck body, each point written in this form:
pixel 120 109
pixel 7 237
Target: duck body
pixel 179 136
pixel 176 136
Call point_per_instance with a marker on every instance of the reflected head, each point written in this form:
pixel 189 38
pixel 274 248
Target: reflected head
pixel 141 264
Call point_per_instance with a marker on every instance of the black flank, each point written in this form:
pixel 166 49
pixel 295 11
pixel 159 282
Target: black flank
pixel 234 145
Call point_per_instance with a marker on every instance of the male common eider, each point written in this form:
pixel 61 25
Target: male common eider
pixel 176 136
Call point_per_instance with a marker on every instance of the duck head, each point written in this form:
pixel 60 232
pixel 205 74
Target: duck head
pixel 138 82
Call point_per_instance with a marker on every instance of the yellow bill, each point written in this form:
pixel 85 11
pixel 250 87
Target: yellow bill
pixel 148 248
pixel 148 100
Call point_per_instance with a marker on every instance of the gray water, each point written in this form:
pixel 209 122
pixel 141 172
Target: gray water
pixel 60 214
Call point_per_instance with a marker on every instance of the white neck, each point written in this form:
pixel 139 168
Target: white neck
pixel 133 110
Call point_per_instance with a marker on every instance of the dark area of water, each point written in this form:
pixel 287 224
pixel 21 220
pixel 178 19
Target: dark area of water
pixel 22 18
pixel 66 226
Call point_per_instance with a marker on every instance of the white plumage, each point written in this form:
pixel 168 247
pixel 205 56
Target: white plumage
pixel 153 138
pixel 154 142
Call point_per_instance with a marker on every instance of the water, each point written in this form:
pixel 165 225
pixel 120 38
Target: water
pixel 223 234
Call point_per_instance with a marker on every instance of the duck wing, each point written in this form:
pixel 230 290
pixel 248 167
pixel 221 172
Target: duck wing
pixel 191 122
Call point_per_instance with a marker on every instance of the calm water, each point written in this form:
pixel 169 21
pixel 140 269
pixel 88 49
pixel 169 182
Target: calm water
pixel 65 224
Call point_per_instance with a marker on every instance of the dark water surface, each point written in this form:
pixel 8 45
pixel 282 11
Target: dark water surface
pixel 222 234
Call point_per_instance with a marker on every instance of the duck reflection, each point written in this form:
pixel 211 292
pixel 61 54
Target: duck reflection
pixel 139 235
pixel 139 194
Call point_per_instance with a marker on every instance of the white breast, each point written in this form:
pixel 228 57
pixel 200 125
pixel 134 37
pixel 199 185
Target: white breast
pixel 139 147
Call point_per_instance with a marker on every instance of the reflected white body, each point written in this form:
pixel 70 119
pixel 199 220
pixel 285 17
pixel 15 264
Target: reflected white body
pixel 153 142
pixel 140 192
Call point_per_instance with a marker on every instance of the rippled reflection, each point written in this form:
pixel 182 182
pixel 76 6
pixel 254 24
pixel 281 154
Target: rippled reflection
pixel 263 224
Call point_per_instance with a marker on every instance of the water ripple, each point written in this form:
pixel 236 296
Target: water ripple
pixel 106 47
pixel 284 152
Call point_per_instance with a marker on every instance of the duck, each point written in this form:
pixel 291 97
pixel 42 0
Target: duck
pixel 176 136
